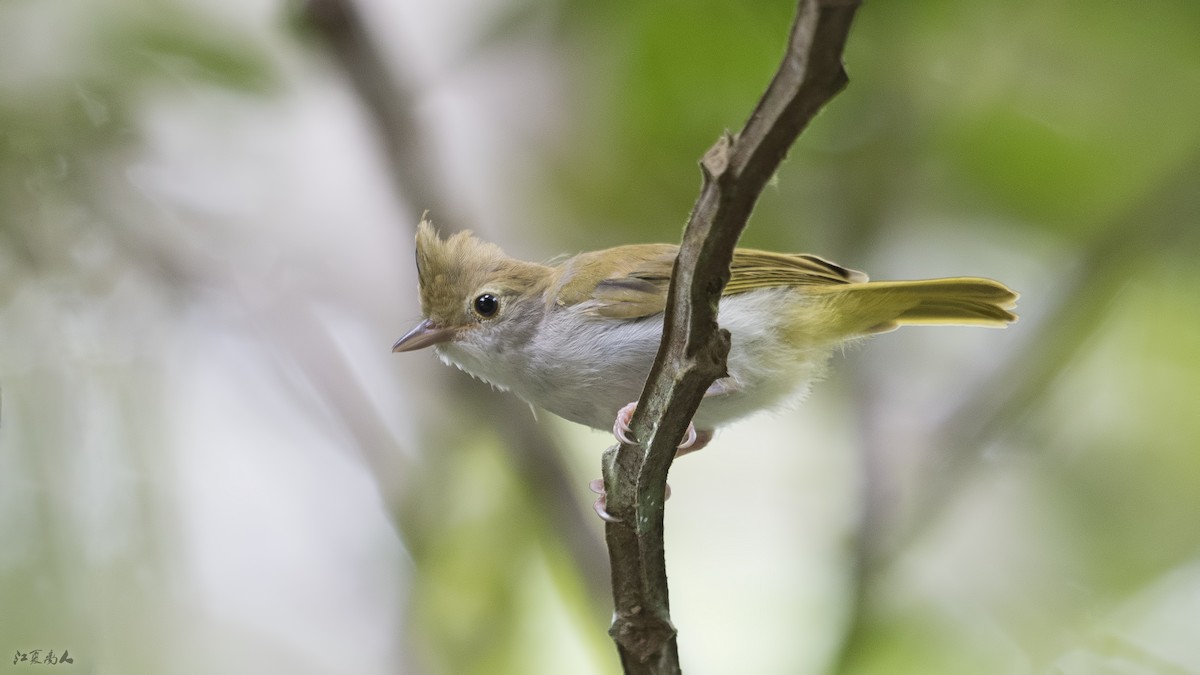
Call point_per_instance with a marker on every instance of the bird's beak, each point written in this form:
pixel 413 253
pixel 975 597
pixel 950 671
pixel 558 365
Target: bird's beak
pixel 424 335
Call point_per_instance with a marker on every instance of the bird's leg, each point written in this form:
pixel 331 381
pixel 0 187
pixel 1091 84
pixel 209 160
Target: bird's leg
pixel 694 440
pixel 621 430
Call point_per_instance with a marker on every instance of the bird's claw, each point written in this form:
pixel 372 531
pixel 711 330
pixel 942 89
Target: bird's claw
pixel 597 486
pixel 689 438
pixel 621 428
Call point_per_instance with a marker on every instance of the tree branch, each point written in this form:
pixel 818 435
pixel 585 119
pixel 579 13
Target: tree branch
pixel 693 349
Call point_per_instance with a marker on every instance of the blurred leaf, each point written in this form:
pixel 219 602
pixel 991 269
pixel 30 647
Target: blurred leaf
pixel 184 45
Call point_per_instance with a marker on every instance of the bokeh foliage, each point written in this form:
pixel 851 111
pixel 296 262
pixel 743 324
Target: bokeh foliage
pixel 1053 145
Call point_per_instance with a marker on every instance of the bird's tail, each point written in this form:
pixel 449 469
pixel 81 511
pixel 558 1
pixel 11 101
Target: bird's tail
pixel 881 306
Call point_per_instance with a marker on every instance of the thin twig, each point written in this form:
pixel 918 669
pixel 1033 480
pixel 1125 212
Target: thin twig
pixel 693 350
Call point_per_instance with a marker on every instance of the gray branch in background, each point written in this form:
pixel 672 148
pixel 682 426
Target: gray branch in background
pixel 388 97
pixel 693 349
pixel 531 451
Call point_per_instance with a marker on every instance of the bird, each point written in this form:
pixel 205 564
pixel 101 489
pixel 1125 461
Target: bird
pixel 577 336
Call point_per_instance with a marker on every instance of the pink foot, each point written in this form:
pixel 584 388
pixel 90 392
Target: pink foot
pixel 621 426
pixel 597 486
pixel 621 430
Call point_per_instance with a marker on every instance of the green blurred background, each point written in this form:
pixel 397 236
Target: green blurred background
pixel 210 462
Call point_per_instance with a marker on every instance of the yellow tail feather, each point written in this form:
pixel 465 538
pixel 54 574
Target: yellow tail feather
pixel 881 306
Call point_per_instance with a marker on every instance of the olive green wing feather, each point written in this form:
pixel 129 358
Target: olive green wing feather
pixel 631 282
pixel 752 269
pixel 627 282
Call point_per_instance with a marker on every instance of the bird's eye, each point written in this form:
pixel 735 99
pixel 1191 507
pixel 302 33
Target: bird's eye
pixel 486 305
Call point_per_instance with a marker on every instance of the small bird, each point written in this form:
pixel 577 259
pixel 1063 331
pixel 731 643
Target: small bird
pixel 578 337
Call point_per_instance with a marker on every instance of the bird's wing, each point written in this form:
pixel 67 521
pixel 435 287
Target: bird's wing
pixel 753 269
pixel 627 282
pixel 631 282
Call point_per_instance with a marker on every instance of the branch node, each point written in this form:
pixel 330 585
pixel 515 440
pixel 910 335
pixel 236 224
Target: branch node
pixel 642 636
pixel 716 160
